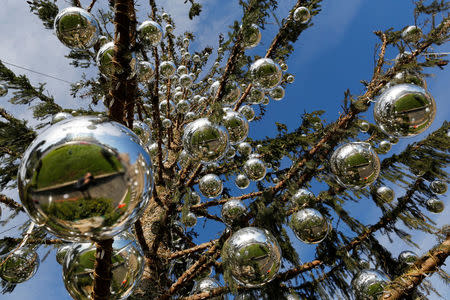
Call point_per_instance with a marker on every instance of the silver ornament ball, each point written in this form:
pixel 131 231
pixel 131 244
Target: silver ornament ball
pixel 210 185
pixel 255 169
pixel 309 225
pixel 265 73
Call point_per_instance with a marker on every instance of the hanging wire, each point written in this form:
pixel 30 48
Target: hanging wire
pixel 43 74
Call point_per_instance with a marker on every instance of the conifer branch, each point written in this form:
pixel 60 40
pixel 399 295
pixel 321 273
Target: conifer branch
pixel 11 203
pixel 91 5
pixel 193 249
pixel 34 241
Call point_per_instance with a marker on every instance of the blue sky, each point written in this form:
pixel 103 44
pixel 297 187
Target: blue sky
pixel 333 55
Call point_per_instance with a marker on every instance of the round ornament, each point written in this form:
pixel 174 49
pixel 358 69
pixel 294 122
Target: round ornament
pixel 185 80
pixel 127 268
pixel 302 197
pixel 364 126
pixel 355 165
pixel 251 36
pixel 61 116
pixel 3 90
pixel 169 28
pixel 369 284
pixel 194 198
pixel 256 96
pixel 309 225
pixel 150 33
pixel 166 107
pixel 152 150
pixel 183 106
pixel 85 177
pixel 231 92
pixel 210 185
pixel 189 219
pixel 265 73
pixel 265 101
pixel 62 252
pixel 237 126
pixel 196 58
pixel 244 149
pixel 166 123
pixel 385 194
pixel 438 187
pixel 302 15
pixel 283 66
pixel 105 63
pixel 255 169
pixel 290 79
pixel 404 110
pixel 407 258
pixel 384 147
pixel 205 285
pixel 233 210
pixel 145 71
pixel 167 69
pixel 277 93
pixel 76 28
pixel 242 181
pixel 435 206
pixel 143 131
pixel 205 141
pixel 21 265
pixel 412 34
pixel 248 112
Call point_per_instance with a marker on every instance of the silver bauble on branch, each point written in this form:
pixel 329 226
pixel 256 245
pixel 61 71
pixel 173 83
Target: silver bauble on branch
pixel 244 149
pixel 185 80
pixel 85 177
pixel 167 107
pixel 62 252
pixel 369 284
pixel 143 131
pixel 253 256
pixel 438 186
pixel 302 197
pixel 407 258
pixel 384 146
pixel 167 69
pixel 105 63
pixel 230 91
pixel 236 125
pixel 183 106
pixel 242 181
pixel 404 110
pixel 251 36
pixel 355 165
pixel 255 169
pixel 255 96
pixel 364 126
pixel 206 285
pixel 385 194
pixel 145 71
pixel 3 90
pixel 150 33
pixel 434 205
pixel 60 117
pixel 76 28
pixel 309 225
pixel 205 141
pixel 302 15
pixel 265 73
pixel 127 268
pixel 189 219
pixel 412 34
pixel 210 185
pixel 194 198
pixel 20 266
pixel 277 93
pixel 152 150
pixel 233 210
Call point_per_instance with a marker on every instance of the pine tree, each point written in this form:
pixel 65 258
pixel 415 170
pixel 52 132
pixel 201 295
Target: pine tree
pixel 173 261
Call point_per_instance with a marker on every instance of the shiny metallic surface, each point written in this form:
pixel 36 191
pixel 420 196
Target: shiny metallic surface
pixel 255 96
pixel 153 152
pixel 412 34
pixel 364 126
pixel 384 146
pixel 190 219
pixel 150 33
pixel 167 69
pixel 404 110
pixel 369 284
pixel 244 149
pixel 85 177
pixel 185 80
pixel 302 197
pixel 210 185
pixel 61 116
pixel 309 225
pixel 76 28
pixel 205 141
pixel 290 79
pixel 242 181
pixel 236 125
pixel 231 92
pixel 438 187
pixel 302 15
pixel 265 74
pixel 355 165
pixel 251 36
pixel 183 106
pixel 255 169
pixel 253 256
pixel 435 206
pixel 277 93
pixel 105 63
pixel 62 252
pixel 20 266
pixel 233 210
pixel 127 268
pixel 407 257
pixel 248 112
pixel 143 131
pixel 167 105
pixel 205 285
pixel 146 71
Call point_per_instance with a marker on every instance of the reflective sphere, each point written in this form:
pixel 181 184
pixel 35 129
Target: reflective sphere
pixel 143 131
pixel 62 252
pixel 205 285
pixel 146 71
pixel 167 69
pixel 251 36
pixel 408 76
pixel 438 187
pixel 302 15
pixel 242 181
pixel 255 96
pixel 150 33
pixel 153 152
pixel 165 106
pixel 127 268
pixel 169 28
pixel 185 80
pixel 231 92
pixel 105 63
pixel 265 73
pixel 255 169
pixel 189 219
pixel 20 266
pixel 3 90
pixel 190 116
pixel 233 210
pixel 231 152
pixel 205 141
pixel 85 177
pixel 369 284
pixel 196 58
pixel 404 110
pixel 237 126
pixel 182 70
pixel 60 117
pixel 302 197
pixel 412 34
pixel 355 165
pixel 248 112
pixel 210 185
pixel 309 225
pixel 435 206
pixel 277 93
pixel 384 147
pixel 290 79
pixel 76 28
pixel 364 126
pixel 265 101
pixel 283 66
pixel 385 194
pixel 183 106
pixel 166 123
pixel 244 149
pixel 194 198
pixel 253 256
pixel 407 257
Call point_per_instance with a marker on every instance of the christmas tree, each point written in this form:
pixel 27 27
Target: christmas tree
pixel 165 178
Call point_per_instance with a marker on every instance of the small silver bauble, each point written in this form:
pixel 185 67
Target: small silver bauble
pixel 265 101
pixel 283 66
pixel 290 79
pixel 253 256
pixel 196 58
pixel 3 90
pixel 185 80
pixel 242 181
pixel 435 206
pixel 167 69
pixel 105 63
pixel 244 149
pixel 236 125
pixel 183 106
pixel 182 70
pixel 355 165
pixel 385 194
pixel 153 152
pixel 166 107
pixel 302 15
pixel 309 225
pixel 231 152
pixel 150 33
pixel 20 266
pixel 248 112
pixel 127 268
pixel 265 73
pixel 231 92
pixel 143 131
pixel 438 187
pixel 189 116
pixel 384 146
pixel 165 16
pixel 169 28
pixel 251 36
pixel 205 141
pixel 76 28
pixel 189 219
pixel 210 80
pixel 364 126
pixel 407 257
pixel 412 34
pixel 255 169
pixel 166 123
pixel 186 42
pixel 205 285
pixel 233 210
pixel 210 185
pixel 194 198
pixel 145 71
pixel 255 96
pixel 61 116
pixel 62 252
pixel 369 284
pixel 277 93
pixel 302 197
pixel 404 110
pixel 85 177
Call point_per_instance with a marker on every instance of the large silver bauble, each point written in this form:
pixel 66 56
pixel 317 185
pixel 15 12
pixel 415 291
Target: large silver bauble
pixel 85 177
pixel 251 36
pixel 210 185
pixel 105 63
pixel 236 125
pixel 205 141
pixel 302 197
pixel 435 206
pixel 167 69
pixel 355 165
pixel 150 33
pixel 309 225
pixel 369 284
pixel 412 34
pixel 253 256
pixel 265 73
pixel 62 252
pixel 127 268
pixel 242 181
pixel 76 28
pixel 20 266
pixel 255 169
pixel 205 285
pixel 145 71
pixel 407 258
pixel 302 15
pixel 3 90
pixel 233 210
pixel 385 194
pixel 438 187
pixel 404 110
pixel 231 92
